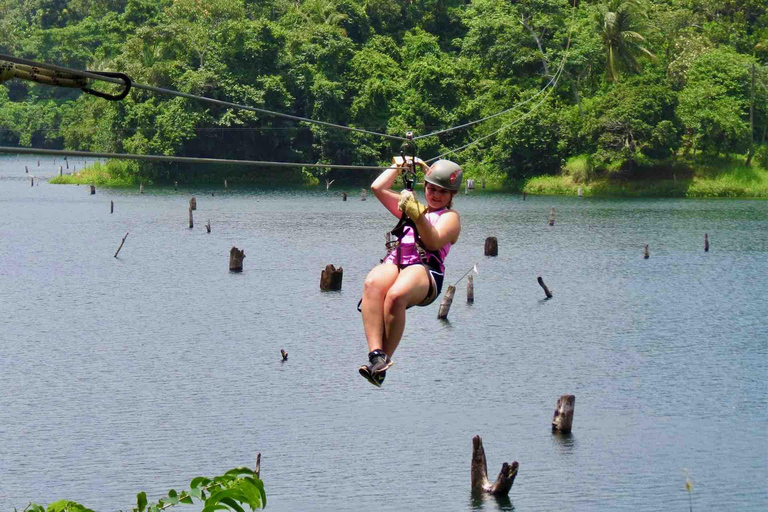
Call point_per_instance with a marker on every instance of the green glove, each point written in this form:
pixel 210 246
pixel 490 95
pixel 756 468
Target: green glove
pixel 410 206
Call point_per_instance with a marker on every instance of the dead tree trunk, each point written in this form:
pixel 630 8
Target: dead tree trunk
pixel 479 472
pixel 330 278
pixel 236 259
pixel 491 246
pixel 562 421
pixel 193 204
pixel 546 290
pixel 445 305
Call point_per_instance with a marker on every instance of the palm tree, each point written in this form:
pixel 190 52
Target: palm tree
pixel 620 22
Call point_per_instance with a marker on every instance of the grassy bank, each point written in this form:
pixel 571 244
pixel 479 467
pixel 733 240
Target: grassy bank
pixel 721 177
pixel 113 173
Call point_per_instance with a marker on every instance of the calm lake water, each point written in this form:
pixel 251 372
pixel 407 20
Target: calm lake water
pixel 142 372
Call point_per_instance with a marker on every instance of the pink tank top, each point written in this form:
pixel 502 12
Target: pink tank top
pixel 409 255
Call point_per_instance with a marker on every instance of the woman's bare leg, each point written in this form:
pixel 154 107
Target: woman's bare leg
pixel 377 283
pixel 410 288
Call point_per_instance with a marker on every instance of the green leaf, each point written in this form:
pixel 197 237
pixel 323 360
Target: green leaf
pixel 196 492
pixel 187 500
pixel 141 501
pixel 234 505
pixel 211 508
pixel 172 493
pixel 200 481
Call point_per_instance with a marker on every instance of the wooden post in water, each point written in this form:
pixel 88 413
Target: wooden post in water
pixel 524 194
pixel 191 220
pixel 93 189
pixel 579 192
pixel 236 257
pixel 26 169
pixel 111 207
pixel 141 188
pixel 343 196
pixel 551 219
pixel 226 185
pixel 646 252
pixel 284 354
pixel 38 163
pixel 67 160
pixel 363 194
pixel 445 305
pixel 208 226
pixel 562 421
pixel 479 473
pixel 706 243
pixel 31 181
pixel 546 290
pixel 61 171
pixel 175 185
pixel 121 244
pixel 193 204
pixel 330 278
pixel 491 246
pixel 470 288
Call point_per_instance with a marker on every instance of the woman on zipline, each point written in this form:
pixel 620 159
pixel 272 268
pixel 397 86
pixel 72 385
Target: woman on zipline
pixel 412 273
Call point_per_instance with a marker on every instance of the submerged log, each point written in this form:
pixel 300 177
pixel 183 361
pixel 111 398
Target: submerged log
pixel 562 421
pixel 479 472
pixel 491 246
pixel 546 290
pixel 235 259
pixel 331 277
pixel 445 305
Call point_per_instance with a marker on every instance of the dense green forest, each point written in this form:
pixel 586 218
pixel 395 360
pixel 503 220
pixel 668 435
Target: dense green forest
pixel 629 86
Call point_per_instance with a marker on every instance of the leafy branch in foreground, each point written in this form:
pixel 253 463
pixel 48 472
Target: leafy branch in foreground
pixel 235 490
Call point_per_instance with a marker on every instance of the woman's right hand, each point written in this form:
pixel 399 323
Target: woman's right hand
pixel 400 162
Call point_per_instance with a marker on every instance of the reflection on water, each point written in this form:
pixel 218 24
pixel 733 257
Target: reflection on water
pixel 488 503
pixel 139 373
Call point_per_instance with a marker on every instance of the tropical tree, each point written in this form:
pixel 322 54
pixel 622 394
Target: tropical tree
pixel 621 24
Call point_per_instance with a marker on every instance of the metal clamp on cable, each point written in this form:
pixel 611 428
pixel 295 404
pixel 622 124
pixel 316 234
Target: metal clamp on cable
pixel 111 97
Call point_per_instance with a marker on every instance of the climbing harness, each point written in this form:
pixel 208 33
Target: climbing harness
pixel 53 77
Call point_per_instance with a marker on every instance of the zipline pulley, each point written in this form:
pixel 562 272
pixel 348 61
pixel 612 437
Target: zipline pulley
pixel 408 149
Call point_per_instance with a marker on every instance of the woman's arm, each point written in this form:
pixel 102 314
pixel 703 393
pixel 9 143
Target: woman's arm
pixel 445 231
pixel 382 189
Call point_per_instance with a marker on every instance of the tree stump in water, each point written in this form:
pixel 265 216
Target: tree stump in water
pixel 646 252
pixel 235 259
pixel 546 290
pixel 31 181
pixel 479 473
pixel 491 246
pixel 363 194
pixel 330 278
pixel 175 185
pixel 706 243
pixel 111 207
pixel 563 417
pixel 191 220
pixel 445 305
pixel 93 189
pixel 141 188
pixel 208 226
pixel 551 219
pixel 470 288
pixel 343 196
pixel 193 204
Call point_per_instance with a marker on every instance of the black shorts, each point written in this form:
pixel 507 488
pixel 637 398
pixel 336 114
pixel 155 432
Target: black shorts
pixel 435 284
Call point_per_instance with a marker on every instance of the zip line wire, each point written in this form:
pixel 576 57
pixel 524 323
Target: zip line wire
pixel 4 149
pixel 179 159
pixel 160 90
